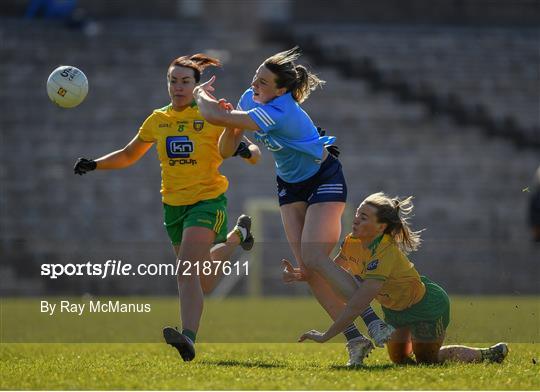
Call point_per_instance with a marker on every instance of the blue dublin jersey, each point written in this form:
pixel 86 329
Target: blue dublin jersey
pixel 288 132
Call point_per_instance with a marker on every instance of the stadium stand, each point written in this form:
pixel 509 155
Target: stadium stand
pixel 478 76
pixel 468 185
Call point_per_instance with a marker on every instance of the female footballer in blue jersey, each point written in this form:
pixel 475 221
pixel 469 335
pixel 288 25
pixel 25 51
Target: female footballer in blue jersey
pixel 311 185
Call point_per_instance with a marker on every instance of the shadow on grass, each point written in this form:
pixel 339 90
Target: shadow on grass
pixel 387 366
pixel 381 367
pixel 245 364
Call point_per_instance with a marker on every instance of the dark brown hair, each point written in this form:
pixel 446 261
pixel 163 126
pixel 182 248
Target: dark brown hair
pixel 295 78
pixel 197 62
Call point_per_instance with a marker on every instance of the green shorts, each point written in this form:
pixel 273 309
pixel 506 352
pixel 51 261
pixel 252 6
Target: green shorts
pixel 427 319
pixel 211 214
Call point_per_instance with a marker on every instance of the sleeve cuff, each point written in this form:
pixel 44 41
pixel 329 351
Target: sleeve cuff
pixel 144 141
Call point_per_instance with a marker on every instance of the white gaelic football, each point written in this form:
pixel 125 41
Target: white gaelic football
pixel 67 86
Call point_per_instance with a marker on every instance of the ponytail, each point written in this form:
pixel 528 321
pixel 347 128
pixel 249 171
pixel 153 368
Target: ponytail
pixel 197 62
pixel 295 78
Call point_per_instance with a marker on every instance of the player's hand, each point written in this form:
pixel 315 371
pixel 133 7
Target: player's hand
pixel 206 87
pixel 84 165
pixel 314 335
pixel 225 105
pixel 255 154
pixel 291 274
pixel 243 150
pixel 333 150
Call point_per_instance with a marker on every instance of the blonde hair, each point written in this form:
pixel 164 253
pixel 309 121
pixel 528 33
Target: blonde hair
pixel 396 212
pixel 295 78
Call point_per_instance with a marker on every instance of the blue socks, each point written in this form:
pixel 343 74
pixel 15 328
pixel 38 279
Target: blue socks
pixel 369 315
pixel 351 332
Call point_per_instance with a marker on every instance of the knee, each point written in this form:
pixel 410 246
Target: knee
pixel 206 289
pixel 183 279
pixel 427 354
pixel 400 353
pixel 185 274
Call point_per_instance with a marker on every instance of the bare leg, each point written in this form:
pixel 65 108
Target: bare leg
pixel 400 347
pixel 322 227
pixel 195 247
pixel 427 352
pixel 221 252
pixel 432 352
pixel 460 354
pixel 293 216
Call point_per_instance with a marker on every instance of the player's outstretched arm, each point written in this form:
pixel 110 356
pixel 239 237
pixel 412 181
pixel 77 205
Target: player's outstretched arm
pixel 356 305
pixel 119 159
pixel 216 114
pixel 125 157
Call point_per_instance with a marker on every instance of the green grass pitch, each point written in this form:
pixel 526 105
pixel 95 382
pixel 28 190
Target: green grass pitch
pixel 250 344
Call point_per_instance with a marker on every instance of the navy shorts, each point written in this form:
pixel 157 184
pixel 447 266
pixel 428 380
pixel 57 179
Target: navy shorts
pixel 328 184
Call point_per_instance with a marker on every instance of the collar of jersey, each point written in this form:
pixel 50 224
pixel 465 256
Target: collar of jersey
pixel 192 105
pixel 351 238
pixel 375 243
pixel 287 96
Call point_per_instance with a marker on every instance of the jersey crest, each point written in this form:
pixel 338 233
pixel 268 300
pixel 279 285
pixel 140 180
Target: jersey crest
pixel 198 125
pixel 372 265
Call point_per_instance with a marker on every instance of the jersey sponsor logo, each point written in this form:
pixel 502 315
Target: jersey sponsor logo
pixel 198 125
pixel 179 146
pixel 372 265
pixel 183 161
pixel 268 141
pixel 164 125
pixel 179 150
